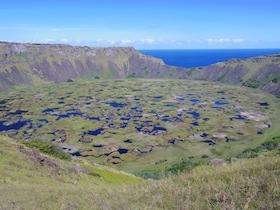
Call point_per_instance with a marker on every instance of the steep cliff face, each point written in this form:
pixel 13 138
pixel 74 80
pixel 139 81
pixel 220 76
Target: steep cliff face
pixel 22 64
pixel 259 72
pixel 28 64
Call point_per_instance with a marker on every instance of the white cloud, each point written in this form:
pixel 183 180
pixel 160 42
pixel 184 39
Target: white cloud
pixel 105 42
pixel 148 41
pixel 45 41
pixel 111 41
pixel 224 40
pixel 238 40
pixel 127 41
pixel 140 41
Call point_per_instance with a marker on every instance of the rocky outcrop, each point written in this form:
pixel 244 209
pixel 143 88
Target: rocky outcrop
pixel 35 156
pixel 217 162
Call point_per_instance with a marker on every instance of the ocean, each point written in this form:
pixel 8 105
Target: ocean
pixel 197 58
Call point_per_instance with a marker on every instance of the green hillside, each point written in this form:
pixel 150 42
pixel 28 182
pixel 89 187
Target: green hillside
pixel 31 180
pixel 261 72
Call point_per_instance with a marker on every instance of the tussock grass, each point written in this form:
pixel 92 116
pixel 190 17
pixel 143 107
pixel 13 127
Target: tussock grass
pixel 244 184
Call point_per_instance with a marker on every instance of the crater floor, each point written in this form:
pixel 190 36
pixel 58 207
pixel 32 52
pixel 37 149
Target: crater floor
pixel 141 124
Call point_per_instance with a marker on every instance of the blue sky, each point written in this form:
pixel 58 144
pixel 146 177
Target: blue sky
pixel 143 24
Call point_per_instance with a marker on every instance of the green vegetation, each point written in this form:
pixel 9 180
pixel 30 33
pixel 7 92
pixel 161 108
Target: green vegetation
pixel 275 78
pixel 48 148
pixel 268 147
pixel 133 75
pixel 184 166
pixel 147 127
pixel 151 174
pixel 110 175
pixel 146 70
pixel 177 160
pixel 191 72
pixel 244 184
pixel 23 55
pixel 89 75
pixel 252 83
pixel 172 72
pixel 165 131
pixel 108 73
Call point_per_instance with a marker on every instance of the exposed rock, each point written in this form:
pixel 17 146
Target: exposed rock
pixel 70 149
pixel 78 169
pixel 85 139
pixel 220 135
pixel 254 116
pixel 110 52
pixel 112 146
pixel 18 48
pixel 217 162
pixel 232 160
pixel 38 159
pixel 87 153
pixel 115 160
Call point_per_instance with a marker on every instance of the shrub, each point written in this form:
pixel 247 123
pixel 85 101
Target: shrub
pixel 48 148
pixel 252 83
pixel 270 145
pixel 248 153
pixel 192 72
pixel 149 174
pixel 133 75
pixel 276 78
pixel 185 165
pixel 160 161
pixel 204 156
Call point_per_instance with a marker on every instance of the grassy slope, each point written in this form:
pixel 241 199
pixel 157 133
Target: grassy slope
pixel 246 184
pixel 254 68
pixel 26 181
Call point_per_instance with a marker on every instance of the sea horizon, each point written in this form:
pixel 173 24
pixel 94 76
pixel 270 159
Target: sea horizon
pixel 190 58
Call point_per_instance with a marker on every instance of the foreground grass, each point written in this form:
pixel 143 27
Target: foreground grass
pixel 245 184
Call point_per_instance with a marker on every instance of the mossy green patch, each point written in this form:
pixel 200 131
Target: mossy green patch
pixel 24 56
pixel 108 73
pixel 112 176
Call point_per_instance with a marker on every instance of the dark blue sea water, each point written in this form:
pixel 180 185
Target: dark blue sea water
pixel 196 58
